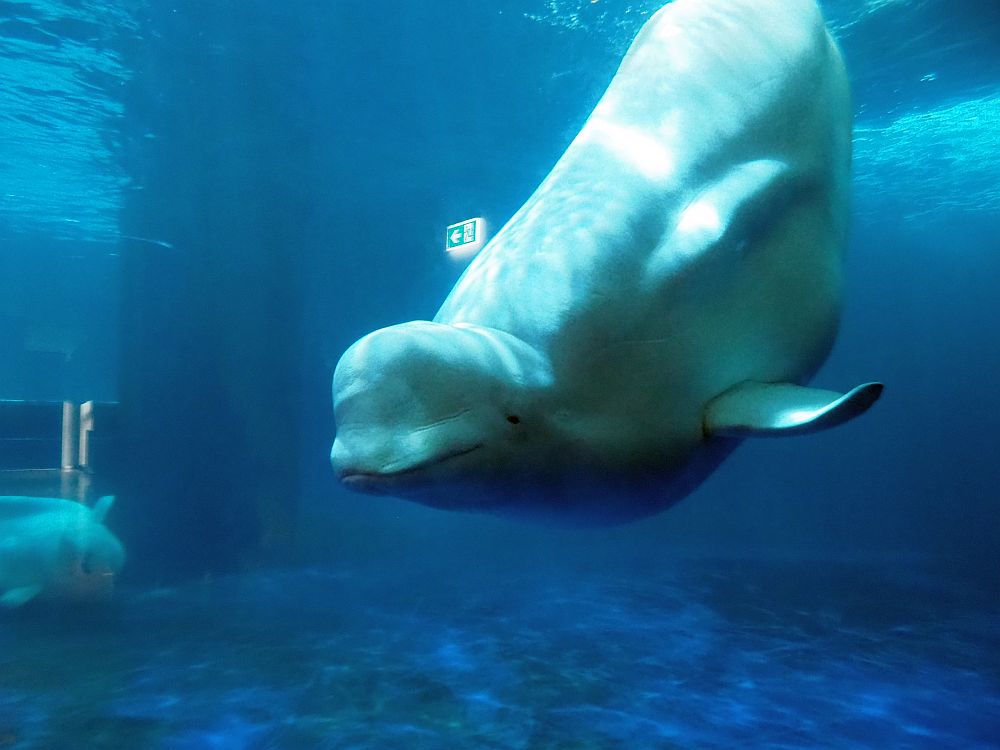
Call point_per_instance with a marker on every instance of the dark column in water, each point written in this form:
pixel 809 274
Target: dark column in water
pixel 209 312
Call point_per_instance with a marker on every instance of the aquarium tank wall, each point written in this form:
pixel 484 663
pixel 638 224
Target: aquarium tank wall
pixel 199 223
pixel 204 203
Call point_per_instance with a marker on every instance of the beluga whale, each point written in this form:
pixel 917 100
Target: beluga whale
pixel 666 292
pixel 56 547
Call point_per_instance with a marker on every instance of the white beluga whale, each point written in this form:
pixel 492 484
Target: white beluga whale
pixel 668 289
pixel 55 546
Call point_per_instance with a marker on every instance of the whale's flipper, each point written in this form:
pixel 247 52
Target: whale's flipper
pixel 21 595
pixel 778 409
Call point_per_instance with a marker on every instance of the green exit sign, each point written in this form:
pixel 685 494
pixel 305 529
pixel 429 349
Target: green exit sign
pixel 465 236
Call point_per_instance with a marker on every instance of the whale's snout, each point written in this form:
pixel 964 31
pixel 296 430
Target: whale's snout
pixel 351 471
pixel 365 473
pixel 349 468
pixel 340 460
pixel 367 484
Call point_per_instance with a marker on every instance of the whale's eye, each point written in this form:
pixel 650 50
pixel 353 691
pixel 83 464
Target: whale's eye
pixel 514 419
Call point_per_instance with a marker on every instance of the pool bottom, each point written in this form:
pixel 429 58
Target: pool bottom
pixel 696 654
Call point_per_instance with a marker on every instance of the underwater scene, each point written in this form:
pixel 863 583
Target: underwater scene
pixel 556 374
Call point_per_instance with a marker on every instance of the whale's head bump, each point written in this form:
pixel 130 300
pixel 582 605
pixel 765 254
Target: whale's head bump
pixel 440 413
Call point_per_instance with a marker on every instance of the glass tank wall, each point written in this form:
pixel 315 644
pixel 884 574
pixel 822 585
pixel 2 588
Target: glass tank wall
pixel 204 203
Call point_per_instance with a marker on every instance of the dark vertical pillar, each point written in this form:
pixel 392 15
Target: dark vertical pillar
pixel 210 320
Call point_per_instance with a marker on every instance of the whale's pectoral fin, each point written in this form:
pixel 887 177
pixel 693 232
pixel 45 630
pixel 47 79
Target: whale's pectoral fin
pixel 777 409
pixel 21 595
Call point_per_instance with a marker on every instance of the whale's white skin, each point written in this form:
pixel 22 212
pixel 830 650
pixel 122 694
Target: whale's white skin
pixel 55 546
pixel 596 361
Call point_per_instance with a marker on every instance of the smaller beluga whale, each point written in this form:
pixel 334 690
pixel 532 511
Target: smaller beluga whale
pixel 668 290
pixel 55 547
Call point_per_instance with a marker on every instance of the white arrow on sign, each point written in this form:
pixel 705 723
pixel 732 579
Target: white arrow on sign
pixel 456 236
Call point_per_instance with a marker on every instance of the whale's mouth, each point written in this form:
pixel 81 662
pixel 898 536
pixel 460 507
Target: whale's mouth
pixel 384 481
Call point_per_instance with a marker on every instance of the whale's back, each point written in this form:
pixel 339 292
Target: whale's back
pixel 705 85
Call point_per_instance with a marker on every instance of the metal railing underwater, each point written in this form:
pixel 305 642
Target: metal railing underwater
pixel 54 449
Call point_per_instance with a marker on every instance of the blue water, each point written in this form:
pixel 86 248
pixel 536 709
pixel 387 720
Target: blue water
pixel 839 590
